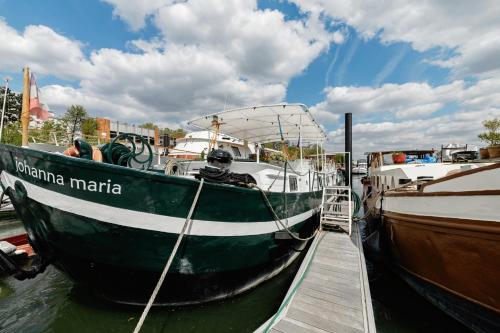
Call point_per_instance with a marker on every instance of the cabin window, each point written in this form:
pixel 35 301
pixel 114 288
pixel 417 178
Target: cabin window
pixel 236 151
pixel 293 184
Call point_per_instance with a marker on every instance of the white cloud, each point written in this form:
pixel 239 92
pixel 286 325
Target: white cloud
pixel 409 100
pixel 42 49
pixel 390 66
pixel 339 75
pixel 408 108
pixel 462 127
pixel 471 28
pixel 262 44
pixel 171 86
pixel 135 12
pixel 202 58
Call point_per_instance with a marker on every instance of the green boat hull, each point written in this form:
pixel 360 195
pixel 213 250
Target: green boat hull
pixel 113 228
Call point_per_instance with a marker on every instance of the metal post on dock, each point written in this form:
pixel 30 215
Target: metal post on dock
pixel 348 148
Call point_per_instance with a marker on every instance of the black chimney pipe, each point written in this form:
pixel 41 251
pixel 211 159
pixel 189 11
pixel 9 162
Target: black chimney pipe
pixel 348 148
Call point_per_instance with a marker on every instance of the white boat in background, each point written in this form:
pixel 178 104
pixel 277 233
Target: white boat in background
pixel 360 169
pixel 196 144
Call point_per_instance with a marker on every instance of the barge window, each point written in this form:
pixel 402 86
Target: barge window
pixel 293 184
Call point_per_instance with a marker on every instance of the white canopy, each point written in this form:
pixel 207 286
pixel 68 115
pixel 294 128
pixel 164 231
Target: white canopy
pixel 260 123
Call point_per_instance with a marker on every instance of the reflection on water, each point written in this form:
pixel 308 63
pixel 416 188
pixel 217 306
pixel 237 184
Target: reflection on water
pixel 52 303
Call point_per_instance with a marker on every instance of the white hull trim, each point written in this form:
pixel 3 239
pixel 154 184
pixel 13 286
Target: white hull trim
pixel 147 221
pixel 472 207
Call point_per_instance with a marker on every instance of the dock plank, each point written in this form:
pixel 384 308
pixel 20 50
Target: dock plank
pixel 330 292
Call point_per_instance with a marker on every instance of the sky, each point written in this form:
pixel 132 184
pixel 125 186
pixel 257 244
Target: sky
pixel 414 74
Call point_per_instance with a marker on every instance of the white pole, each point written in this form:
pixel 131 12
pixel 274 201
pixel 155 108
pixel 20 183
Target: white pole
pixel 258 152
pixel 4 103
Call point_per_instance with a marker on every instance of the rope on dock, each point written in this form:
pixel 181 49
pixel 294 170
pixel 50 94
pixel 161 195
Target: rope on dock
pixel 169 262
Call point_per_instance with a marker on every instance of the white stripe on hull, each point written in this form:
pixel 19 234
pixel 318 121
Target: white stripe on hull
pixel 147 221
pixel 473 207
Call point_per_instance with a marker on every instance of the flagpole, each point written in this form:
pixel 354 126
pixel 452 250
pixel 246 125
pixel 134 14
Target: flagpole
pixel 4 103
pixel 25 114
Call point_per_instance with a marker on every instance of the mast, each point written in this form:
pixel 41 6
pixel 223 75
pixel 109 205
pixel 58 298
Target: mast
pixel 25 114
pixel 216 126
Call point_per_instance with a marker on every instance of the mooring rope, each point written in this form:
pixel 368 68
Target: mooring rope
pixel 277 219
pixel 169 262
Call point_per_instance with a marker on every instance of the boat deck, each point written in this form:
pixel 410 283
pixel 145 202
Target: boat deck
pixel 330 292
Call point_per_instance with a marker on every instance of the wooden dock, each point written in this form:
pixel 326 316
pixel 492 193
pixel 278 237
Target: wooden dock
pixel 330 292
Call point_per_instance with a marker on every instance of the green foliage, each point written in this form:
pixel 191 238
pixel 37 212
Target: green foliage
pixel 13 106
pixel 47 132
pixel 12 134
pixel 339 158
pixel 89 127
pixel 73 119
pixel 177 133
pixel 312 150
pixel 148 125
pixel 492 135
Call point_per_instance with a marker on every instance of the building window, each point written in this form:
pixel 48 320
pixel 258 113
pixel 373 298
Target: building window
pixel 236 151
pixel 293 184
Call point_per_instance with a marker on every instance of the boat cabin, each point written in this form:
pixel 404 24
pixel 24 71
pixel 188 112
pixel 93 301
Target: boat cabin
pixel 196 144
pixel 392 169
pixel 249 129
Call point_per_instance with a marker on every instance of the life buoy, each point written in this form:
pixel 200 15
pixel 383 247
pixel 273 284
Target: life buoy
pixel 72 151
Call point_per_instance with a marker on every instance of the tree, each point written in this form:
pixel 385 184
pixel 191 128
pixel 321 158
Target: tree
pixel 73 118
pixel 89 127
pixel 13 106
pixel 492 136
pixel 12 134
pixel 148 125
pixel 177 133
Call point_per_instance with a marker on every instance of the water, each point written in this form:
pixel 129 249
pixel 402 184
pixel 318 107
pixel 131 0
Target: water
pixel 52 303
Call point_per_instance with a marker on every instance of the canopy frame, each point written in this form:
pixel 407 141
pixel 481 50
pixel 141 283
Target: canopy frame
pixel 260 124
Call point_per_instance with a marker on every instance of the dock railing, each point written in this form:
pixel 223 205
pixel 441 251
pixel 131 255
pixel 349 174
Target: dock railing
pixel 337 208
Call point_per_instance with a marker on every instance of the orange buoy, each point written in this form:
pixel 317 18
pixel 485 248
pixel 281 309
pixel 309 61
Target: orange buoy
pixel 96 154
pixel 72 151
